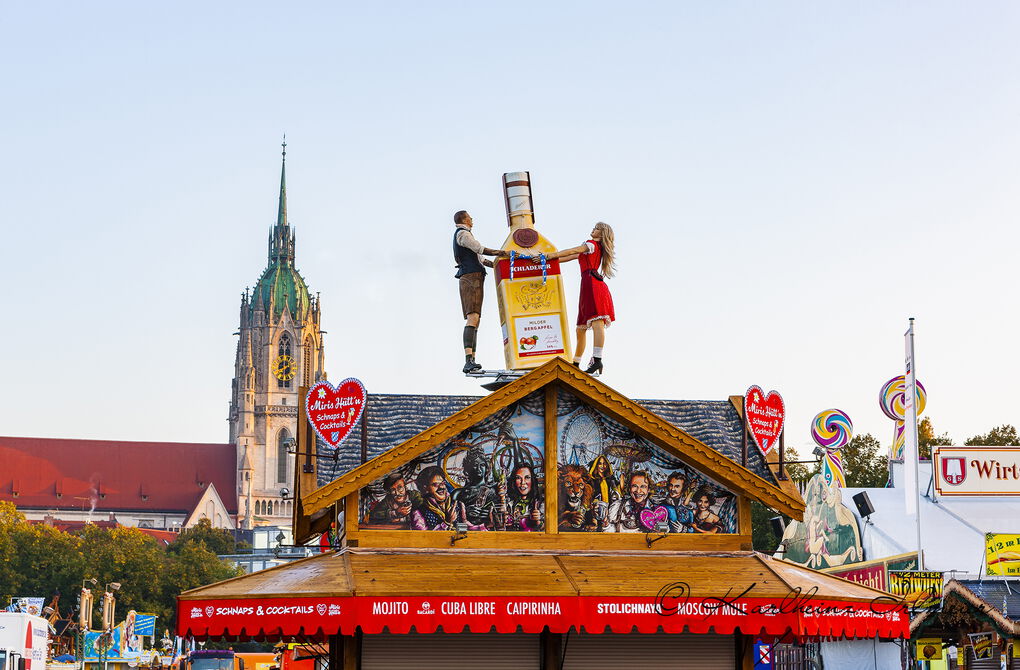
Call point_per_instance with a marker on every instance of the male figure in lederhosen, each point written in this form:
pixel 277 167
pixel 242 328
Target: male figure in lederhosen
pixel 468 252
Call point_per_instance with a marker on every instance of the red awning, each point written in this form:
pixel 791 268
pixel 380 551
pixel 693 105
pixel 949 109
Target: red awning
pixel 401 590
pixel 320 617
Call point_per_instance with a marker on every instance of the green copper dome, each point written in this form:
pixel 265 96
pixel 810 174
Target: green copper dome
pixel 281 285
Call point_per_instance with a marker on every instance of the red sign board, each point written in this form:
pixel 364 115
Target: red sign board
pixel 327 616
pixel 873 576
pixel 334 410
pixel 765 415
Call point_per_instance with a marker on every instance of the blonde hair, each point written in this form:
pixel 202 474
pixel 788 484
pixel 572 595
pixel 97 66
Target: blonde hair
pixel 608 245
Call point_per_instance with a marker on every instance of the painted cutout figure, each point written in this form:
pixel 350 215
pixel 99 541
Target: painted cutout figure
pixel 576 499
pixel 625 513
pixel 468 252
pixel 478 495
pixel 437 511
pixel 705 520
pixel 676 502
pixel 523 508
pixel 595 311
pixel 603 481
pixel 398 504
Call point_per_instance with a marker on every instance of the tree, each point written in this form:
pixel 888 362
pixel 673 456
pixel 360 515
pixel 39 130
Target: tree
pixel 216 540
pixel 1002 436
pixel 40 560
pixel 799 472
pixel 864 463
pixel 926 439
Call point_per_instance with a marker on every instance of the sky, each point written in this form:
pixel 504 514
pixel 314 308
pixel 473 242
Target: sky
pixel 789 182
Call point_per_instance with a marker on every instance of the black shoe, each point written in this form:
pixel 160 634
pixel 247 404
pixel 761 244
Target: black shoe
pixel 471 366
pixel 595 368
pixel 577 364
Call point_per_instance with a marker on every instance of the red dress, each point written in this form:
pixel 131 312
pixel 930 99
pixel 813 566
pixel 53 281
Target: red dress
pixel 596 302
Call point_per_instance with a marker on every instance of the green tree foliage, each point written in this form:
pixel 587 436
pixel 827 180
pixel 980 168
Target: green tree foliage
pixel 865 463
pixel 216 540
pixel 799 472
pixel 762 537
pixel 1002 436
pixel 926 438
pixel 39 560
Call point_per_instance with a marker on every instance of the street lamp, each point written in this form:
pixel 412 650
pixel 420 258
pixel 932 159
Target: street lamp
pixel 109 608
pixel 85 607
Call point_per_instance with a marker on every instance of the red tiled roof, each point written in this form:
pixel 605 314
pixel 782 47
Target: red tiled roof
pixel 162 537
pixel 144 476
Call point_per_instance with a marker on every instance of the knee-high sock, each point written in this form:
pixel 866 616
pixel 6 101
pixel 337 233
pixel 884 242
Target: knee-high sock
pixel 470 337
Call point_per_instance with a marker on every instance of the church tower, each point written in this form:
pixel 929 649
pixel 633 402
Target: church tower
pixel 279 349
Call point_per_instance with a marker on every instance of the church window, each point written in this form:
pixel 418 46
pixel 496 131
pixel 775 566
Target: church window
pixel 281 456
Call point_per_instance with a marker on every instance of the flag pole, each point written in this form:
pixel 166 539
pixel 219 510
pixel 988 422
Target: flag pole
pixel 910 452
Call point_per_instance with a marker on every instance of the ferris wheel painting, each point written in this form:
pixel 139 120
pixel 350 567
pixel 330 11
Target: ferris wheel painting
pixel 582 439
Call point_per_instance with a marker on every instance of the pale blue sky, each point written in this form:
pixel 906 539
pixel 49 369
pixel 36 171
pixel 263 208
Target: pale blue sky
pixel 788 183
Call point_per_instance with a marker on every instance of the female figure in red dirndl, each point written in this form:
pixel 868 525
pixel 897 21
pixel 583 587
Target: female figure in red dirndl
pixel 596 258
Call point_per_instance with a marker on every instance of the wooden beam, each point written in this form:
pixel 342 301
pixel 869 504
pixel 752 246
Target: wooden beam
pixel 352 652
pixel 552 488
pixel 440 539
pixel 744 518
pixel 552 649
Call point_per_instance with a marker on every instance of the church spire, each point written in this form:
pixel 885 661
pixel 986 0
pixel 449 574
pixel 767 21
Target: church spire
pixel 281 243
pixel 281 216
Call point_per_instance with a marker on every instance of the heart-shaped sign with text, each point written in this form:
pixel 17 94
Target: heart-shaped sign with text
pixel 651 517
pixel 334 410
pixel 765 415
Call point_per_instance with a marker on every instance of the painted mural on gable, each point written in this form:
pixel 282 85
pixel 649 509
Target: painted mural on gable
pixel 491 477
pixel 829 535
pixel 614 481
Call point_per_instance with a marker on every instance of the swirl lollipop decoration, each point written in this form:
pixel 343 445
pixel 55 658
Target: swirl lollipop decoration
pixel 832 430
pixel 892 400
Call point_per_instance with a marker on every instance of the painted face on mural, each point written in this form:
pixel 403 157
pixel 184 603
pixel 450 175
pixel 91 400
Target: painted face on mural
pixel 399 491
pixel 602 467
pixel 704 503
pixel 522 481
pixel 676 487
pixel 639 488
pixel 437 488
pixel 475 467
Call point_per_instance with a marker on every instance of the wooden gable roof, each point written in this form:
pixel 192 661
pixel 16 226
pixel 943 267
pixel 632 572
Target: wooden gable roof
pixel 593 392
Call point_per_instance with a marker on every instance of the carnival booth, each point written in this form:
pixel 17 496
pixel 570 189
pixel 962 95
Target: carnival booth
pixel 552 524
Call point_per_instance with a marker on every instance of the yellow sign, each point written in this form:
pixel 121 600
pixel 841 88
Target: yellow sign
pixel 961 657
pixel 529 289
pixel 982 644
pixel 917 588
pixel 1016 648
pixel 1002 554
pixel 929 649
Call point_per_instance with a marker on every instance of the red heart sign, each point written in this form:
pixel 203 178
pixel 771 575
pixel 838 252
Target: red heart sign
pixel 334 410
pixel 765 415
